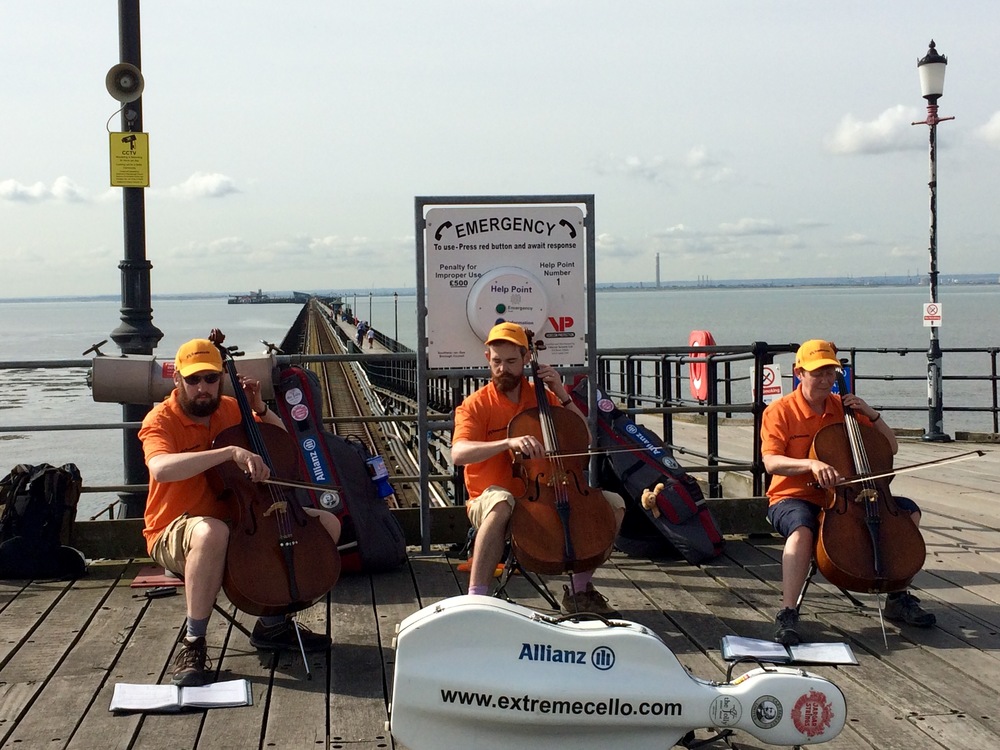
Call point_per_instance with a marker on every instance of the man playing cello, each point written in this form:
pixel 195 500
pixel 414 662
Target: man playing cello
pixel 480 443
pixel 184 532
pixel 788 429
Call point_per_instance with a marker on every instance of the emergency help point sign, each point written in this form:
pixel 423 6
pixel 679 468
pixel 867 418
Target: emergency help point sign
pixel 523 263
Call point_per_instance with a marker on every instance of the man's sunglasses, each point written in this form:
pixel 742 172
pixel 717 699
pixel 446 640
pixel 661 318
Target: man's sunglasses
pixel 211 379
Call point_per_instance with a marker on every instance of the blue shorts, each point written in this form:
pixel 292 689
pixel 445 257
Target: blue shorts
pixel 787 515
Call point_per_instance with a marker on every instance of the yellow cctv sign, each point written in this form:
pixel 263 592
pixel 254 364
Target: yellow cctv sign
pixel 129 159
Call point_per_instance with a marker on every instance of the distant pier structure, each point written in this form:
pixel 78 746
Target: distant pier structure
pixel 260 298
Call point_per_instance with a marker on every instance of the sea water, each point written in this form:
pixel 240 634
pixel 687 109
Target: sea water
pixel 852 317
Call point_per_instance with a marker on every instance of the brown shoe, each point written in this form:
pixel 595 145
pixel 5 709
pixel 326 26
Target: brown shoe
pixel 282 637
pixel 588 600
pixel 191 663
pixel 902 606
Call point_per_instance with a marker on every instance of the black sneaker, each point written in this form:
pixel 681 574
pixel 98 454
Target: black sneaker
pixel 190 663
pixel 589 600
pixel 282 636
pixel 903 606
pixel 785 623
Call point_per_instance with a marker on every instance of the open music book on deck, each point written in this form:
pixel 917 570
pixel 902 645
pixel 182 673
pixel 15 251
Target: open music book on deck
pixel 737 647
pixel 167 698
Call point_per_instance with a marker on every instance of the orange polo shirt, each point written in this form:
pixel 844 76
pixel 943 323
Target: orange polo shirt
pixel 484 416
pixel 167 429
pixel 788 428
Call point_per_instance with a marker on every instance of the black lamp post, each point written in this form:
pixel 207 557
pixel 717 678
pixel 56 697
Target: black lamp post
pixel 369 308
pixel 395 316
pixel 136 333
pixel 931 69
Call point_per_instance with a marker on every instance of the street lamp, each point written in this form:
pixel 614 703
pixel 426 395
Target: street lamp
pixel 395 315
pixel 369 308
pixel 931 69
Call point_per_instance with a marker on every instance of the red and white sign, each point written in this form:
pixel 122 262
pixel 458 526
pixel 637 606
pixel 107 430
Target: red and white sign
pixel 770 383
pixel 932 314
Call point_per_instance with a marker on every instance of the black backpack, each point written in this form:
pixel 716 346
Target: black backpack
pixel 371 538
pixel 36 525
pixel 638 460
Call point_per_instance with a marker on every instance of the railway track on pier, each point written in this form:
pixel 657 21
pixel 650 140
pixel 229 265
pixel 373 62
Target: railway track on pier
pixel 348 402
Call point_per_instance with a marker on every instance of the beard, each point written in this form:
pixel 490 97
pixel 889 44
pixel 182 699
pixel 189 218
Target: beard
pixel 203 405
pixel 506 382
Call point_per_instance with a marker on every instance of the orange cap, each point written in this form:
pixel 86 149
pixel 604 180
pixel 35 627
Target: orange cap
pixel 816 353
pixel 511 332
pixel 197 355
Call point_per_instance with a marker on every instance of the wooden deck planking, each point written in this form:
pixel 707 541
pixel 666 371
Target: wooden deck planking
pixel 64 646
pixel 926 672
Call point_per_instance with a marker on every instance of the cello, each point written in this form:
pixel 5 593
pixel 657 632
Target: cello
pixel 558 524
pixel 279 559
pixel 866 543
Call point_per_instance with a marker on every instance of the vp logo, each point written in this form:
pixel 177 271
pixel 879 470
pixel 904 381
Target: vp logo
pixel 562 323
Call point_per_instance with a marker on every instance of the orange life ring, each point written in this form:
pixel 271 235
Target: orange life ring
pixel 698 369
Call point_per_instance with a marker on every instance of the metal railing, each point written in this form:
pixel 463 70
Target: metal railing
pixel 655 383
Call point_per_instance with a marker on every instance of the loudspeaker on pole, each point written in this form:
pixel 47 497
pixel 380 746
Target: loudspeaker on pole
pixel 124 82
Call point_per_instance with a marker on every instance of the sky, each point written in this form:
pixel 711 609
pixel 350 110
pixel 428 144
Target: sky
pixel 734 139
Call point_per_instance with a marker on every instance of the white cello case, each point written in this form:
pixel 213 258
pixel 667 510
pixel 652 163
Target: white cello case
pixel 477 672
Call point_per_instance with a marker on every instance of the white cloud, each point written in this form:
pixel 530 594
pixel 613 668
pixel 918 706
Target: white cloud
pixel 704 167
pixel 650 169
pixel 63 190
pixel 697 165
pixel 205 185
pixel 890 131
pixel 990 132
pixel 748 226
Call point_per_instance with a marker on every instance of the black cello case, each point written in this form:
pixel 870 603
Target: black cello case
pixel 685 525
pixel 371 538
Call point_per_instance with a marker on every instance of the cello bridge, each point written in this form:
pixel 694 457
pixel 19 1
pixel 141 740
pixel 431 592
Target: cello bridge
pixel 867 496
pixel 279 507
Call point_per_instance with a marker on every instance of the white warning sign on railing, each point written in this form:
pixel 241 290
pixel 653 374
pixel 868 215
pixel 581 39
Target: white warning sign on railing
pixel 770 384
pixel 932 314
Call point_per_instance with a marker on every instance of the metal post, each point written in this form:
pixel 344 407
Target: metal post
pixel 935 390
pixel 369 308
pixel 136 334
pixel 395 316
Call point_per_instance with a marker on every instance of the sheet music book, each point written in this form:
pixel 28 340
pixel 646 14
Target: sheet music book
pixel 169 698
pixel 737 647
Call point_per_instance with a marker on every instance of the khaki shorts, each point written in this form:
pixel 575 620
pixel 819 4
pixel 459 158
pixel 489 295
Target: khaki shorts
pixel 170 548
pixel 481 506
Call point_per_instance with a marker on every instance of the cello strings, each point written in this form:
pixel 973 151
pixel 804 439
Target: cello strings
pixel 256 440
pixel 861 464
